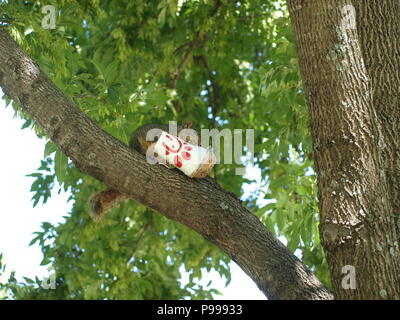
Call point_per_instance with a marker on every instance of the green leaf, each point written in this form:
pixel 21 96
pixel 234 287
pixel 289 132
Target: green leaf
pixel 112 71
pixel 113 94
pixel 49 148
pixel 161 16
pixel 36 199
pixel 28 280
pixel 26 124
pixel 60 166
pixel 33 241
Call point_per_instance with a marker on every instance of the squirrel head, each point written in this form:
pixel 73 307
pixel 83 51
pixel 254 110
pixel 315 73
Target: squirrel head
pixel 187 125
pixel 188 134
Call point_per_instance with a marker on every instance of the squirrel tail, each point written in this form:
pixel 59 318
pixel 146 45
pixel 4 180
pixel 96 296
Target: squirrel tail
pixel 104 200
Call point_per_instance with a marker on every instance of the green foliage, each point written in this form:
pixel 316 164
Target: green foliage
pixel 117 61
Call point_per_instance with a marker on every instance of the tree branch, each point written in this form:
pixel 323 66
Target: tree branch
pixel 185 60
pixel 199 204
pixel 192 44
pixel 214 92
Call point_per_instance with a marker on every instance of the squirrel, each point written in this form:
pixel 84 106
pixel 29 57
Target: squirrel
pixel 140 141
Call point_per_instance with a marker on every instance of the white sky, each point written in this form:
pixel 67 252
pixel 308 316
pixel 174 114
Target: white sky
pixel 20 154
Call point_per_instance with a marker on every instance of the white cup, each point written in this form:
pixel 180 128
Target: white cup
pixel 194 161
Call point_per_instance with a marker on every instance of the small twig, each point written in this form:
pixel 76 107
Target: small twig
pixel 185 60
pixel 214 90
pixel 192 44
pixel 218 5
pixel 141 236
pixel 213 95
pixel 181 47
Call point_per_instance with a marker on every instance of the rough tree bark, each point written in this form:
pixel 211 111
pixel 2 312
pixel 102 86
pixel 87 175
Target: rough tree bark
pixel 349 56
pixel 204 206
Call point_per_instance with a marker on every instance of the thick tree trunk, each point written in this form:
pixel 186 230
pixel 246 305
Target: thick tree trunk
pixel 349 56
pixel 203 206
